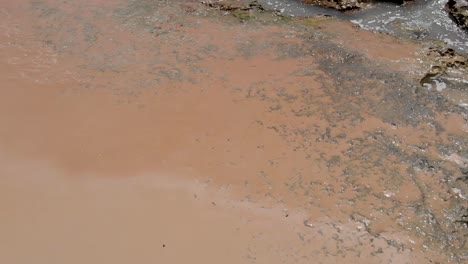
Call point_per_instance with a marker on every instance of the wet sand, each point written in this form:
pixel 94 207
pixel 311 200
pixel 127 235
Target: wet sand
pixel 149 131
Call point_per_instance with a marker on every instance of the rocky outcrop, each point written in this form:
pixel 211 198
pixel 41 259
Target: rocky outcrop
pixel 342 5
pixel 458 11
pixel 448 68
pixel 348 5
pixel 233 5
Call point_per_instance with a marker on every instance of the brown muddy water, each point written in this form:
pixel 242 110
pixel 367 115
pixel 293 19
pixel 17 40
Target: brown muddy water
pixel 171 132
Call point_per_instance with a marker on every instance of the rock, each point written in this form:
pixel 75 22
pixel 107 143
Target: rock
pixel 449 70
pixel 342 5
pixel 348 5
pixel 458 11
pixel 233 5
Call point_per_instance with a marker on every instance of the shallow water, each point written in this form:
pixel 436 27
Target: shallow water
pixel 135 131
pixel 425 19
pixel 297 8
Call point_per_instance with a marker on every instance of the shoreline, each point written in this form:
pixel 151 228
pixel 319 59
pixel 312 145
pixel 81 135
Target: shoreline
pixel 316 116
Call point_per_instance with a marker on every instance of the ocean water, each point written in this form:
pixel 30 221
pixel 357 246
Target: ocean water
pixel 421 19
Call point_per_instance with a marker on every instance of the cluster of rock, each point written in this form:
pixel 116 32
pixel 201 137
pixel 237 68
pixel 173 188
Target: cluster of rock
pixel 448 67
pixel 233 5
pixel 458 11
pixel 342 5
pixel 346 5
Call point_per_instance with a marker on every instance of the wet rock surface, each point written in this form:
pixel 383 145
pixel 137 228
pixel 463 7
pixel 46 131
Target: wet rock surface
pixel 233 5
pixel 342 5
pixel 447 74
pixel 458 10
pixel 347 5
